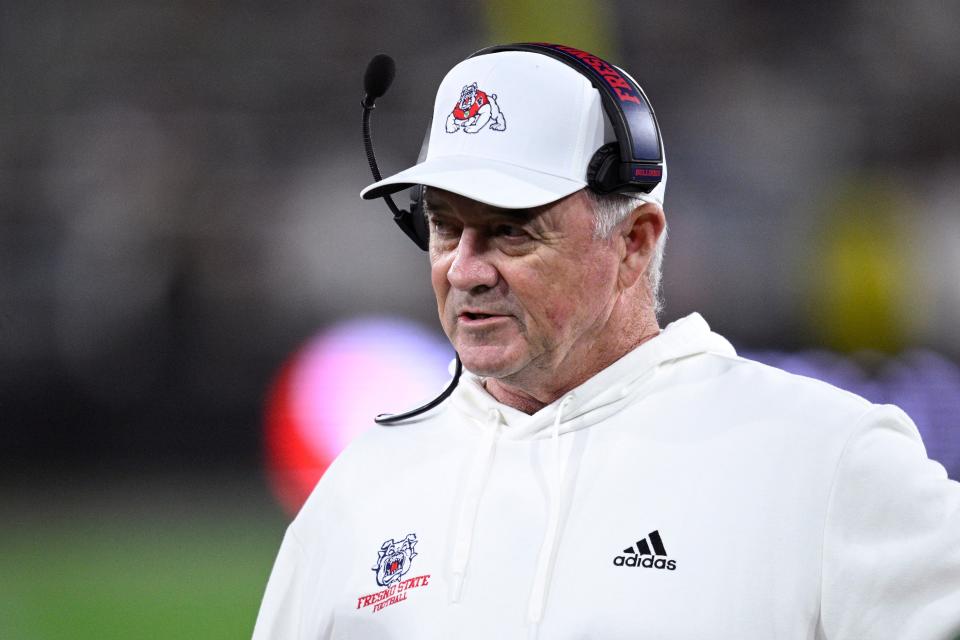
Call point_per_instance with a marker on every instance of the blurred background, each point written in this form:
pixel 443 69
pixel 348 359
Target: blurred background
pixel 197 311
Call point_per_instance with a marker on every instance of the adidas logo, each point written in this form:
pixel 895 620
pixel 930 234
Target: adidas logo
pixel 641 556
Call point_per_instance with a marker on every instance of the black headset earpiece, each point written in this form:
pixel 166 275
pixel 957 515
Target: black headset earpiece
pixel 418 214
pixel 418 217
pixel 603 172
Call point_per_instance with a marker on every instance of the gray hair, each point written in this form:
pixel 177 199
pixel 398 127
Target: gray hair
pixel 612 209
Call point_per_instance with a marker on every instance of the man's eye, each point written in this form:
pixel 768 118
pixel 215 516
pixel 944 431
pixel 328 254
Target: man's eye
pixel 509 231
pixel 441 226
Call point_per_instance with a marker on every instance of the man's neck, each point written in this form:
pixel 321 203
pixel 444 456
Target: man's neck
pixel 514 396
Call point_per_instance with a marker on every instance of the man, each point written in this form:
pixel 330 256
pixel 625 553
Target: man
pixel 594 476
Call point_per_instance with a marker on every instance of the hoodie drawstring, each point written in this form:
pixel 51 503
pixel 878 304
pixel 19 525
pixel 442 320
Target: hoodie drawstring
pixel 480 471
pixel 545 561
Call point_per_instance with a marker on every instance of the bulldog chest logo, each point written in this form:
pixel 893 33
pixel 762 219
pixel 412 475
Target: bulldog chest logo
pixel 393 563
pixel 474 111
pixel 395 558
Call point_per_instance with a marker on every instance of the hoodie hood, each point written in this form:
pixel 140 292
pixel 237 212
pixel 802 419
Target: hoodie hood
pixel 602 395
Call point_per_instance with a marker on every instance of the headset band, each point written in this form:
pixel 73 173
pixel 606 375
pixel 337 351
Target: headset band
pixel 625 103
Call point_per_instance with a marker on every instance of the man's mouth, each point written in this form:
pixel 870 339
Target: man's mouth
pixel 477 317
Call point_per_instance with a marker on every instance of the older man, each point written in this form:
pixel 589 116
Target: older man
pixel 593 476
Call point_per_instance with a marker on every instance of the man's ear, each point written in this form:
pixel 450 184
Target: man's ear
pixel 638 236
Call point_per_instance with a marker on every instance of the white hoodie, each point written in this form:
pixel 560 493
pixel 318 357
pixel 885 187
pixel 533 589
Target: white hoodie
pixel 683 492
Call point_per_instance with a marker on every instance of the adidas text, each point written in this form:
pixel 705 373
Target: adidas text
pixel 648 562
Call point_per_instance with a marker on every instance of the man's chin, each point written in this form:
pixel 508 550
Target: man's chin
pixel 488 361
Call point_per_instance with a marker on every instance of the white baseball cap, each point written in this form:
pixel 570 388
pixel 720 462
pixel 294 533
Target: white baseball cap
pixel 511 129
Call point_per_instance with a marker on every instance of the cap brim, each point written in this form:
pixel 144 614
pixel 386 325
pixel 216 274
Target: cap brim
pixel 491 182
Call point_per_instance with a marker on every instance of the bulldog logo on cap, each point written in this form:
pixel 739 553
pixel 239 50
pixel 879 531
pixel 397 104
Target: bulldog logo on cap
pixel 474 111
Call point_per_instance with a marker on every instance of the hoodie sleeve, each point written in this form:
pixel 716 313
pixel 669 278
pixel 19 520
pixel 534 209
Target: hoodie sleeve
pixel 891 550
pixel 281 609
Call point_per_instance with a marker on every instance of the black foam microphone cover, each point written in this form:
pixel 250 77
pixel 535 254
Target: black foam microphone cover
pixel 379 76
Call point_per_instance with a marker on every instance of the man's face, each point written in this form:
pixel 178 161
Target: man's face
pixel 521 293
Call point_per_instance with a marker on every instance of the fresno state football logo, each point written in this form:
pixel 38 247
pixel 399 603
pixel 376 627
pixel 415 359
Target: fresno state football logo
pixel 474 111
pixel 394 559
pixel 393 562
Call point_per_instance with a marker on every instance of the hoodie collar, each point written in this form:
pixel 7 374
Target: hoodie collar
pixel 603 394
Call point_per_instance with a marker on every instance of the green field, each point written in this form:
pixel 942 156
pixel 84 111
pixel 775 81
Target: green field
pixel 164 558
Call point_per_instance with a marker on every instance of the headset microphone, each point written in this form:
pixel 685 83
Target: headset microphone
pixel 376 81
pixel 378 78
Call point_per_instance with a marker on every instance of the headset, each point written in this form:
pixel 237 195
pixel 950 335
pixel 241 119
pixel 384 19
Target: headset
pixel 633 163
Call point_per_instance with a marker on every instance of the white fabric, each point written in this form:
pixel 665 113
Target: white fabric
pixel 541 580
pixel 470 503
pixel 789 509
pixel 547 122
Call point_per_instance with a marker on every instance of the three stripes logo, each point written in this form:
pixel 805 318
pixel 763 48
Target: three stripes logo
pixel 640 555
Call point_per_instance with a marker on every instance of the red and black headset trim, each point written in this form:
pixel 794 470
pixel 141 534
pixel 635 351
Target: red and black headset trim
pixel 634 163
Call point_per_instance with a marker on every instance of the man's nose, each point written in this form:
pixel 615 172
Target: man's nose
pixel 471 267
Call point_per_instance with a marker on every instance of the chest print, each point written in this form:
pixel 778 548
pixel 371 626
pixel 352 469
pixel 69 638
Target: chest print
pixel 394 562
